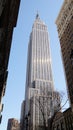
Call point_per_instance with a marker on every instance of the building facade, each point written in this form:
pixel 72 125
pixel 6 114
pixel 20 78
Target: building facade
pixel 68 117
pixel 8 19
pixel 42 106
pixel 58 122
pixel 61 120
pixel 65 30
pixel 39 93
pixel 13 124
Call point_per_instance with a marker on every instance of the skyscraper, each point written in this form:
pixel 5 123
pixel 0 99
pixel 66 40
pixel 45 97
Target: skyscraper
pixel 39 59
pixel 65 30
pixel 39 91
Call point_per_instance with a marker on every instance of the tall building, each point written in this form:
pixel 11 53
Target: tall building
pixel 65 30
pixel 8 19
pixel 13 124
pixel 39 93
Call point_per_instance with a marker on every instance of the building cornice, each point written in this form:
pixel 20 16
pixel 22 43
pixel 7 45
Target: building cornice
pixel 65 3
pixel 64 16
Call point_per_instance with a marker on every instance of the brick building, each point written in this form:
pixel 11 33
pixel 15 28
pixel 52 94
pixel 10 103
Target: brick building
pixel 65 30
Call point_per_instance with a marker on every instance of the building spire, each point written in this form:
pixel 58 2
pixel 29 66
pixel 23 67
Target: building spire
pixel 37 15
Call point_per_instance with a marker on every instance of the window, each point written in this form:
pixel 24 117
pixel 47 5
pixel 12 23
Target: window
pixel 33 84
pixel 71 55
pixel 62 126
pixel 58 127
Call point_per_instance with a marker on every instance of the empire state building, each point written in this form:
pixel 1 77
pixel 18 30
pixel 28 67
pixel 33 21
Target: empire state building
pixel 39 91
pixel 39 59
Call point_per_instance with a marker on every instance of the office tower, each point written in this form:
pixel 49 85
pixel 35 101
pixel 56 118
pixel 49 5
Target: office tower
pixel 65 30
pixel 8 19
pixel 13 124
pixel 39 82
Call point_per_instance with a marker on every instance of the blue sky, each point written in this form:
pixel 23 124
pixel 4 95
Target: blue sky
pixel 15 89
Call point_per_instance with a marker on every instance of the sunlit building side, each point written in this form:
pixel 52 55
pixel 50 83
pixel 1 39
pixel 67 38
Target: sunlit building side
pixel 39 90
pixel 65 31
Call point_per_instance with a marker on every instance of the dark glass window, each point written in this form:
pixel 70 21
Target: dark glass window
pixel 62 126
pixel 58 127
pixel 33 84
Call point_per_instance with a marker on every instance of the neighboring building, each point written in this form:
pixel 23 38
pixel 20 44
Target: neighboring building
pixel 39 93
pixel 61 121
pixel 68 117
pixel 8 19
pixel 13 124
pixel 65 30
pixel 58 122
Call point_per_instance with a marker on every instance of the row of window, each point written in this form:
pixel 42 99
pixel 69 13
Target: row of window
pixel 60 126
pixel 40 26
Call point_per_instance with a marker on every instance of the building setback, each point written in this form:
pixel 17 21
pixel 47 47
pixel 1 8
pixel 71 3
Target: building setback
pixel 8 19
pixel 39 93
pixel 65 30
